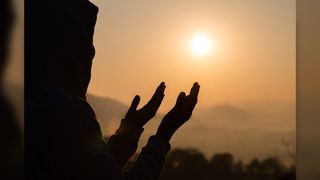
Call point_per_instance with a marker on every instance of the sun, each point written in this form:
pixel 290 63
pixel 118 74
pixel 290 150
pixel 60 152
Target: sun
pixel 201 45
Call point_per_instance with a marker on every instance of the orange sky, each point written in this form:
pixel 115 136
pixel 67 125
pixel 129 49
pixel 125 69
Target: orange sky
pixel 141 43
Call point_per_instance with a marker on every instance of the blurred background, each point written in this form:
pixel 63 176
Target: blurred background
pixel 14 70
pixel 243 54
pixel 11 89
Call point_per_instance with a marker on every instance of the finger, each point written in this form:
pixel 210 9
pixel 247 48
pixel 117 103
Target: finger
pixel 157 96
pixel 159 91
pixel 158 100
pixel 195 90
pixel 192 98
pixel 180 99
pixel 134 104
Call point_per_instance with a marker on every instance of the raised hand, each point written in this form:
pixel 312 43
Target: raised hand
pixel 142 116
pixel 180 113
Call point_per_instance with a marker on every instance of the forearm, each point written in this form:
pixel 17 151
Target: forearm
pixel 149 164
pixel 123 144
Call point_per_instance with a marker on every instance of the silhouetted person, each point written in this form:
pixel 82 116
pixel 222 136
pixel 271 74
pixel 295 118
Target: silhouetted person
pixel 63 137
pixel 10 135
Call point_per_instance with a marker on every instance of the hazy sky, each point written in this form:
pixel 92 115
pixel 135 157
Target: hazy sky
pixel 141 43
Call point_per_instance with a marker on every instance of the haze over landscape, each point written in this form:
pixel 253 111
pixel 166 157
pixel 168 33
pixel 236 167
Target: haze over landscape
pixel 247 99
pixel 246 130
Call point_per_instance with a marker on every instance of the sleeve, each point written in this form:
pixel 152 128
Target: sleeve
pixel 123 144
pixel 76 147
pixel 86 156
pixel 149 164
pixel 77 151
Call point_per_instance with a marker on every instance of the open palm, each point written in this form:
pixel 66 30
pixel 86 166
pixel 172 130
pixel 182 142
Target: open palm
pixel 180 113
pixel 142 116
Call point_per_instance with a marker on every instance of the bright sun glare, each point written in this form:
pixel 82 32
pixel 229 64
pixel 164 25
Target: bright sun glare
pixel 201 45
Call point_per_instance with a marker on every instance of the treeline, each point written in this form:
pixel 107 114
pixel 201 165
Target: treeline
pixel 191 164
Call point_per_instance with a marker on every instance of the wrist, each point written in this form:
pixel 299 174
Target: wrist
pixel 129 129
pixel 164 134
pixel 158 145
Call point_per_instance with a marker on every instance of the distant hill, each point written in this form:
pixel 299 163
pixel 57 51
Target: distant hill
pixel 107 108
pixel 229 111
pixel 247 130
pixel 108 111
pixel 224 115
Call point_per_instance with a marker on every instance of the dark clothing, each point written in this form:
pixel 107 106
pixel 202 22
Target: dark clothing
pixel 11 151
pixel 63 137
pixel 60 45
pixel 68 144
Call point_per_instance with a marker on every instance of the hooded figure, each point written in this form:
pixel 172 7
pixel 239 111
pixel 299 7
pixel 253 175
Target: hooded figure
pixel 63 137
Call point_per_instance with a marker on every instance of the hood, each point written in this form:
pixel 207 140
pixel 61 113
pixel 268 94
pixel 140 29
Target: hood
pixel 59 46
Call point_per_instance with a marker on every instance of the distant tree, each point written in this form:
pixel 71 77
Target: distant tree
pixel 222 163
pixel 238 166
pixel 272 166
pixel 254 166
pixel 290 146
pixel 289 174
pixel 185 164
pixel 191 164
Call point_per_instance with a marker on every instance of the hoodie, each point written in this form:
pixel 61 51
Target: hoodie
pixel 63 137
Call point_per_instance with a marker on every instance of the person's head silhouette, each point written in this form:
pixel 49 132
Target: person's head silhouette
pixel 61 50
